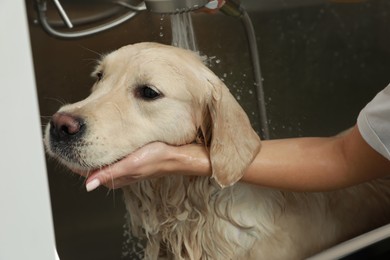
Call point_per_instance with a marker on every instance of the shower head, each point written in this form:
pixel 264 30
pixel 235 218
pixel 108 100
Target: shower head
pixel 174 6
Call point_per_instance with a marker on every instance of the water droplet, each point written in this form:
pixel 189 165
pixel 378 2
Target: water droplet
pixel 224 75
pixel 250 91
pixel 238 97
pixel 161 34
pixel 218 61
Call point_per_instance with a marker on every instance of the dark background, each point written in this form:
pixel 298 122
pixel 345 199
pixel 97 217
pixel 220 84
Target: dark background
pixel 322 61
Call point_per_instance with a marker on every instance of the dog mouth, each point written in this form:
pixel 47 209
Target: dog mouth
pixel 82 156
pixel 86 170
pixel 69 139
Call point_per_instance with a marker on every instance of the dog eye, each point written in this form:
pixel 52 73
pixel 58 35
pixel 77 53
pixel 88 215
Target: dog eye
pixel 147 93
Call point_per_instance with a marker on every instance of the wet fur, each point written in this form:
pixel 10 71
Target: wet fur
pixel 203 218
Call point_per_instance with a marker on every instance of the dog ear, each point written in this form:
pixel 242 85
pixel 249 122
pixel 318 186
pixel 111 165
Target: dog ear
pixel 233 142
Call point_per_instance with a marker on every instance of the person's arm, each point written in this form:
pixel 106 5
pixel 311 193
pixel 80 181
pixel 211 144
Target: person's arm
pixel 317 164
pixel 298 164
pixel 304 164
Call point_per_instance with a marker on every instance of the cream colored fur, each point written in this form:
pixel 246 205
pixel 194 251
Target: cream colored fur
pixel 194 217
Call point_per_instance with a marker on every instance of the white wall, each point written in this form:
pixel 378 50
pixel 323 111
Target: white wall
pixel 26 227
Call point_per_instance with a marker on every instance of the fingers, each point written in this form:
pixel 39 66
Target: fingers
pixel 110 177
pixel 142 164
pixel 117 175
pixel 94 183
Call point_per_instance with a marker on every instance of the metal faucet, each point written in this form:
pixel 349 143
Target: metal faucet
pixel 156 6
pixel 231 7
pixel 41 7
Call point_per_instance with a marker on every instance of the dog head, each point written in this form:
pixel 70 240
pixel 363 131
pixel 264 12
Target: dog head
pixel 150 92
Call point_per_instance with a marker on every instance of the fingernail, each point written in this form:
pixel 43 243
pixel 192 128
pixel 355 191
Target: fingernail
pixel 92 185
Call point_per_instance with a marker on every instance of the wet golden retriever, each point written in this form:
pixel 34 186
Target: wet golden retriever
pixel 149 92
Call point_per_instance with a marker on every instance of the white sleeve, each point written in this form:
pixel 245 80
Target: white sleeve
pixel 374 122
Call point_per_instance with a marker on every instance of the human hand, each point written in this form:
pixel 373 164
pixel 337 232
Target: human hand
pixel 150 161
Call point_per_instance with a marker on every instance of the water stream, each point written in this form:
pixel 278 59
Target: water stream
pixel 183 35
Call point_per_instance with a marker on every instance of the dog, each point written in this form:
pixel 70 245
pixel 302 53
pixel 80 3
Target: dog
pixel 150 92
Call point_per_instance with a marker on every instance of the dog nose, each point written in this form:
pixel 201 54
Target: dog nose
pixel 64 126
